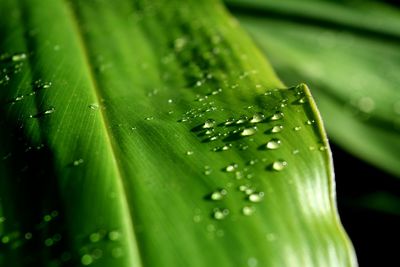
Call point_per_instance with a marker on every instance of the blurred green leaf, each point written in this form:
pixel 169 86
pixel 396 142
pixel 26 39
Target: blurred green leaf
pixel 118 147
pixel 348 51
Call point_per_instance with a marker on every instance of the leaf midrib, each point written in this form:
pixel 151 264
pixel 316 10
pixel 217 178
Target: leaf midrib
pixel 127 220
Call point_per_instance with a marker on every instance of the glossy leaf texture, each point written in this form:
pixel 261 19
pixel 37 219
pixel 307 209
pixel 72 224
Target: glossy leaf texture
pixel 348 51
pixel 154 133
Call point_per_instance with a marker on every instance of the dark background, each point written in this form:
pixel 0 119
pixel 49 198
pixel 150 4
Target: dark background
pixel 375 233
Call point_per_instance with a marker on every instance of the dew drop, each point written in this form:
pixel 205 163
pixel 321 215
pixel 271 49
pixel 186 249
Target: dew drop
pixel 273 144
pixel 149 118
pixel 257 117
pixel 95 237
pixel 252 162
pixel 248 131
pixel 248 210
pixel 218 195
pixel 297 128
pixel 277 129
pixel 189 153
pixel 242 120
pixel 231 167
pixel 323 148
pixel 209 124
pixel 44 113
pixel 117 252
pixel 47 218
pixel 207 170
pixel 302 100
pixel 48 242
pixel 252 262
pixel 256 197
pixel 77 162
pixel 86 259
pixel 309 122
pixel 277 116
pixel 94 106
pixel 366 104
pixel 220 214
pixel 114 235
pixel 239 175
pixel 229 121
pixel 28 236
pixel 279 165
pixel 197 218
pixel 5 239
pixel 209 131
pixel 226 147
pixel 18 57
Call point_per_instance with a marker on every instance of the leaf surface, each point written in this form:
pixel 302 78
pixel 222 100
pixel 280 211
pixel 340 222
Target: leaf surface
pixel 119 148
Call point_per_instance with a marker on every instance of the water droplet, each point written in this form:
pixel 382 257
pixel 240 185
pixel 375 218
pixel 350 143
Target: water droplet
pixel 257 117
pixel 302 100
pixel 218 195
pixel 117 252
pixel 248 191
pixel 256 197
pixel 197 218
pixel 207 170
pixel 243 146
pixel 28 236
pixel 114 235
pixel 220 214
pixel 226 147
pixel 277 129
pixel 77 162
pixel 47 218
pixel 279 165
pixel 277 116
pixel 94 106
pixel 48 242
pixel 252 162
pixel 86 259
pixel 239 175
pixel 149 118
pixel 295 151
pixel 209 124
pixel 231 167
pixel 323 148
pixel 297 128
pixel 229 121
pixel 248 210
pixel 242 120
pixel 366 104
pixel 248 131
pixel 45 85
pixel 95 237
pixel 189 153
pixel 273 144
pixel 180 43
pixel 252 262
pixel 18 57
pixel 309 122
pixel 44 113
pixel 16 99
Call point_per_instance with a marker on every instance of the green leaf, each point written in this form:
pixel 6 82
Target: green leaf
pixel 116 150
pixel 349 53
